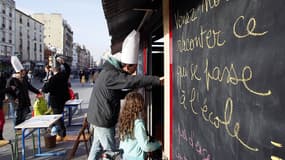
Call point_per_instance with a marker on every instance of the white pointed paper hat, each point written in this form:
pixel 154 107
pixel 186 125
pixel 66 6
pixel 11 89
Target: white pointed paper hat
pixel 17 65
pixel 130 48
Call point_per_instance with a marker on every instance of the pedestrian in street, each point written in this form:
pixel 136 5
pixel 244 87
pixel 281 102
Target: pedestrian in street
pixel 30 76
pixel 71 92
pixel 48 75
pixel 57 87
pixel 134 139
pixel 82 77
pixel 21 102
pixel 86 75
pixel 3 91
pixel 104 104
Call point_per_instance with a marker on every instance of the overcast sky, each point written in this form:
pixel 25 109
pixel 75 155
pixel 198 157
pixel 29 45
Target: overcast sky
pixel 86 18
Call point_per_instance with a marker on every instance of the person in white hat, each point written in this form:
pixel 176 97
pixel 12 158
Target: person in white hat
pixel 104 104
pixel 22 88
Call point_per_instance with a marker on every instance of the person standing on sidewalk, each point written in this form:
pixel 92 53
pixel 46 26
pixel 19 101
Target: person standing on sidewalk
pixel 3 91
pixel 57 87
pixel 48 75
pixel 104 104
pixel 22 100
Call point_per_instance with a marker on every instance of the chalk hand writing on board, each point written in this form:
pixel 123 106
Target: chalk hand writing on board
pixel 187 139
pixel 194 72
pixel 181 73
pixel 250 28
pixel 217 121
pixel 275 158
pixel 184 19
pixel 209 38
pixel 229 74
pixel 182 99
pixel 277 145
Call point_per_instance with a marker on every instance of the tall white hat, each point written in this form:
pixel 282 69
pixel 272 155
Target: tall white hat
pixel 17 65
pixel 130 48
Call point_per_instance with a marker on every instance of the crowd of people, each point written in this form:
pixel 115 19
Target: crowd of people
pixel 117 80
pixel 15 90
pixel 88 76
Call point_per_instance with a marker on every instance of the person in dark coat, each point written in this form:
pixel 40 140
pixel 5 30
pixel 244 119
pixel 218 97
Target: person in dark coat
pixel 3 91
pixel 82 76
pixel 23 101
pixel 57 87
pixel 104 104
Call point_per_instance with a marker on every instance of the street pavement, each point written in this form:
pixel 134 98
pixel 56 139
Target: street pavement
pixel 64 146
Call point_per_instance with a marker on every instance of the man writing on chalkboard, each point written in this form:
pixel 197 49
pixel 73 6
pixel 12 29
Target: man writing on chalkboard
pixel 104 104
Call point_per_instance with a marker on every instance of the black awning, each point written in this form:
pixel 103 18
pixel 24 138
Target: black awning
pixel 123 16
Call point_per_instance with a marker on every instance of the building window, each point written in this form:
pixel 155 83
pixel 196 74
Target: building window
pixel 10 24
pixel 28 46
pixel 10 12
pixel 3 22
pixel 20 29
pixel 10 37
pixel 4 35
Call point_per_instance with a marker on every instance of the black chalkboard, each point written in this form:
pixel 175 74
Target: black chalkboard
pixel 228 79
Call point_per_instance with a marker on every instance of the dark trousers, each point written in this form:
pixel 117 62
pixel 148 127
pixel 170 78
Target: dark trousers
pixel 21 115
pixel 60 123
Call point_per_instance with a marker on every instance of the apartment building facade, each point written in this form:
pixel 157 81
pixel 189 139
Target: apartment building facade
pixel 57 33
pixel 29 46
pixel 7 33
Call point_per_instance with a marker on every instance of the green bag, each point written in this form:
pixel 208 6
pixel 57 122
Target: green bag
pixel 41 107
